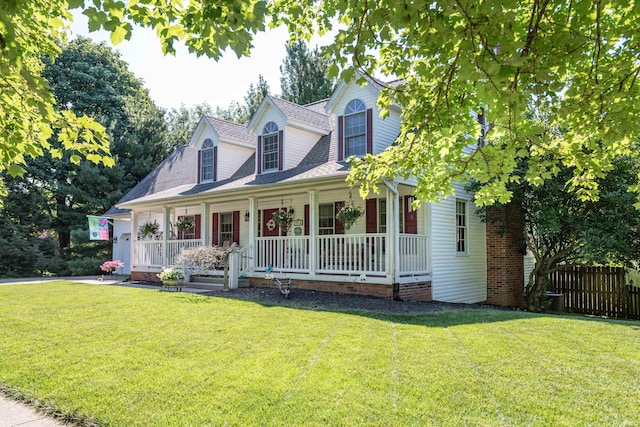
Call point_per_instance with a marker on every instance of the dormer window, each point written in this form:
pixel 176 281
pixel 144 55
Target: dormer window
pixel 207 161
pixel 355 130
pixel 270 148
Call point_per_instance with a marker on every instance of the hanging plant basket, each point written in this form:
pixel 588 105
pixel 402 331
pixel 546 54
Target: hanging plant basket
pixel 149 228
pixel 349 214
pixel 283 219
pixel 185 225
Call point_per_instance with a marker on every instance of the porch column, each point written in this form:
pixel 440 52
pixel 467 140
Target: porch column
pixel 134 239
pixel 205 226
pixel 166 219
pixel 253 232
pixel 313 226
pixel 393 227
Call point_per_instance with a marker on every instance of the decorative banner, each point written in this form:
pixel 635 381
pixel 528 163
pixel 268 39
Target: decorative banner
pixel 98 228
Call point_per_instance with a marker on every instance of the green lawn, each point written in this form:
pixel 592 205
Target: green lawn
pixel 131 357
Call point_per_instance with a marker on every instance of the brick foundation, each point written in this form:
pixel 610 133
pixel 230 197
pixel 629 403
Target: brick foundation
pixel 350 288
pixel 505 262
pixel 414 292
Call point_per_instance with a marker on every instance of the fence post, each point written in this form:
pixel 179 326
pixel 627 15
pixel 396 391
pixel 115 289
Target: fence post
pixel 233 269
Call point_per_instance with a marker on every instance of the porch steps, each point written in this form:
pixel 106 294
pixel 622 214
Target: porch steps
pixel 213 283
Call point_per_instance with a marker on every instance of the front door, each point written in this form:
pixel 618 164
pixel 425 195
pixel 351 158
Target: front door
pixel 269 228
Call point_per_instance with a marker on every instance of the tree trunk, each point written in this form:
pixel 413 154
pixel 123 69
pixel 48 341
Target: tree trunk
pixel 538 281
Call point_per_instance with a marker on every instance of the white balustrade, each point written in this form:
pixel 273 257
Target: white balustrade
pixel 414 254
pixel 283 253
pixel 335 254
pixel 351 254
pixel 148 253
pixel 174 247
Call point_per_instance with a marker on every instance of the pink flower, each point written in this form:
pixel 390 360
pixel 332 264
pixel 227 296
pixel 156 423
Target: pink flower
pixel 111 266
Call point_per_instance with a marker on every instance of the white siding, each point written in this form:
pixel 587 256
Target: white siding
pixel 529 263
pixel 270 115
pixel 457 278
pixel 385 131
pixel 297 144
pixel 230 158
pixel 203 132
pixel 122 248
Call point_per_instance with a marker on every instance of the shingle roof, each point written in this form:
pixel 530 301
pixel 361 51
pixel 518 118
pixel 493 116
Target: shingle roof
pixel 231 130
pixel 318 163
pixel 318 106
pixel 178 169
pixel 303 114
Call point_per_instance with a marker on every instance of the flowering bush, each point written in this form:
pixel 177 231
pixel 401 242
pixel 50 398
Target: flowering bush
pixel 205 257
pixel 149 227
pixel 283 219
pixel 349 214
pixel 170 274
pixel 111 266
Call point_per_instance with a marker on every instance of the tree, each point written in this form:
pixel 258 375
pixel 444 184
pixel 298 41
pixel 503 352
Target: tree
pixel 181 123
pixel 560 228
pixel 242 113
pixel 92 80
pixel 498 59
pixel 30 31
pixel 304 74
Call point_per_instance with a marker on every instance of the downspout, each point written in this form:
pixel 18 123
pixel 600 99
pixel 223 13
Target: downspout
pixel 395 253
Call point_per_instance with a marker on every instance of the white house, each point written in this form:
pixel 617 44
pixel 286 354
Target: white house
pixel 231 179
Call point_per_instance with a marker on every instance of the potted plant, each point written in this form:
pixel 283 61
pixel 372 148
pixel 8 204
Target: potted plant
pixel 283 219
pixel 349 214
pixel 185 225
pixel 171 277
pixel 149 228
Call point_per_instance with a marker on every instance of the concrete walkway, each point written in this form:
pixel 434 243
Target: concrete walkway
pixel 14 414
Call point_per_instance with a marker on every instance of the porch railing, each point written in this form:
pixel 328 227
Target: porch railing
pixel 351 254
pixel 335 254
pixel 149 252
pixel 414 254
pixel 282 253
pixel 174 247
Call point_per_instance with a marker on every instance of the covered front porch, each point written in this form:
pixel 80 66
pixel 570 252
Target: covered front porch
pixel 376 250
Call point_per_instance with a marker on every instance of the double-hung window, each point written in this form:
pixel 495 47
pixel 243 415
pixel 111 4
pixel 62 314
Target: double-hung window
pixel 270 147
pixel 226 228
pixel 326 219
pixel 461 227
pixel 206 161
pixel 355 129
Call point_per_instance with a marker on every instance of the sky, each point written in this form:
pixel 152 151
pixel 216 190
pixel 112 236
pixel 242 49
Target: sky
pixel 185 79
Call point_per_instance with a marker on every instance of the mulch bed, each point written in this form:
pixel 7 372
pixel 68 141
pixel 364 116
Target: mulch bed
pixel 314 300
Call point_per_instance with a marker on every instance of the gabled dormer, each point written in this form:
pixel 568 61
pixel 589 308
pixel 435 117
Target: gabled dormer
pixel 285 133
pixel 222 146
pixel 360 129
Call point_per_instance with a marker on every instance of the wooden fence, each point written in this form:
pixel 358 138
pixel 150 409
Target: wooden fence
pixel 596 290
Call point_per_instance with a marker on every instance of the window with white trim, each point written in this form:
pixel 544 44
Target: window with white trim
pixel 382 215
pixel 326 219
pixel 226 228
pixel 461 227
pixel 355 129
pixel 206 161
pixel 270 147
